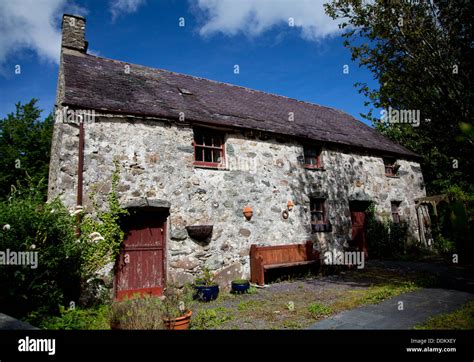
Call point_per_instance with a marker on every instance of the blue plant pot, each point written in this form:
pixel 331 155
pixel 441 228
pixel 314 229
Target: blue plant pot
pixel 240 288
pixel 206 293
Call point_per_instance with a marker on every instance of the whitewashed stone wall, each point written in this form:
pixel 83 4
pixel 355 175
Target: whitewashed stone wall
pixel 156 160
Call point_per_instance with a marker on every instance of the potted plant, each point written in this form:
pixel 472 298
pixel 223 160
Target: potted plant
pixel 205 287
pixel 176 307
pixel 240 286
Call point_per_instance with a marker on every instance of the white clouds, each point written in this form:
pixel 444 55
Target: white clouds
pixel 120 7
pixel 252 17
pixel 34 25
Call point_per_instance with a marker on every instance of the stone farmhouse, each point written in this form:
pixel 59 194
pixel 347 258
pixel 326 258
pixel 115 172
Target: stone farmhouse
pixel 209 169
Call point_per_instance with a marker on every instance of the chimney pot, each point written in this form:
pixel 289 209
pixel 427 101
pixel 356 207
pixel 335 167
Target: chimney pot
pixel 73 33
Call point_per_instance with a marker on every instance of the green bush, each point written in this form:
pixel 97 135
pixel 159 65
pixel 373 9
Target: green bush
pixel 385 238
pixel 29 225
pixel 75 319
pixel 444 245
pixel 138 313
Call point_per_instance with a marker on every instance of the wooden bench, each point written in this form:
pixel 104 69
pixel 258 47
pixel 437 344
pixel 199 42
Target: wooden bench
pixel 271 257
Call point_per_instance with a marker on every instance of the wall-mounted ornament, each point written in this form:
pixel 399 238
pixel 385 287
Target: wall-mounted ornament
pixel 290 205
pixel 248 212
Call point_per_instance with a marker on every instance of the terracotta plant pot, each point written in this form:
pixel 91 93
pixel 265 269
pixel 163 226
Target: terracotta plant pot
pixel 180 323
pixel 248 212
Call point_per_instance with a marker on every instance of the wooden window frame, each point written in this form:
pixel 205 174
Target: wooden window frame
pixel 318 165
pixel 316 224
pixel 391 167
pixel 213 134
pixel 395 211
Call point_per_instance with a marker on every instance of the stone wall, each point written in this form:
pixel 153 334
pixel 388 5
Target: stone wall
pixel 156 160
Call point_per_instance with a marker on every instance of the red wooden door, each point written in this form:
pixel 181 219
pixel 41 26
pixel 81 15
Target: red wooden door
pixel 358 227
pixel 141 264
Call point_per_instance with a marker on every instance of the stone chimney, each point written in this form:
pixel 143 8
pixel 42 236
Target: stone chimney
pixel 73 33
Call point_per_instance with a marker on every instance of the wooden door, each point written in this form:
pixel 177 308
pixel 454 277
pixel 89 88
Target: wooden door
pixel 141 264
pixel 358 218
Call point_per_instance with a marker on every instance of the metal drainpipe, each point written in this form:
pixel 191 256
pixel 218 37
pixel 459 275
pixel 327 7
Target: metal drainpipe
pixel 80 170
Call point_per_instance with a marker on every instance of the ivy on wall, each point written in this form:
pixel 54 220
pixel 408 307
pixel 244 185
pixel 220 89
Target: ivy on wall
pixel 101 235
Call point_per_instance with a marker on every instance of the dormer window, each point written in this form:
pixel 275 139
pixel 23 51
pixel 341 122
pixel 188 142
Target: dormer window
pixel 208 148
pixel 312 157
pixel 391 167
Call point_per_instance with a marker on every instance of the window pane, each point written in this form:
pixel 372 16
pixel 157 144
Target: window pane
pixel 319 205
pixel 198 154
pixel 217 156
pixel 317 211
pixel 205 142
pixel 198 138
pixel 311 155
pixel 207 155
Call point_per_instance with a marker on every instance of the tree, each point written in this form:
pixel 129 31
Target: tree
pixel 25 143
pixel 421 54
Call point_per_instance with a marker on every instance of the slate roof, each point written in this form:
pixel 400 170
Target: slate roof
pixel 103 84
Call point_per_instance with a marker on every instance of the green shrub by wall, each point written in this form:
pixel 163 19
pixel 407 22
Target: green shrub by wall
pixel 27 224
pixel 385 238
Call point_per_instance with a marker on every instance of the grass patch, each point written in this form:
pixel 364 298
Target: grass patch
pixel 211 318
pixel 462 318
pixel 292 324
pixel 252 290
pixel 248 305
pixel 377 294
pixel 372 295
pixel 317 310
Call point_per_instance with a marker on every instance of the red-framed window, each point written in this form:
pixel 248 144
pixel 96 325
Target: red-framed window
pixel 395 205
pixel 391 167
pixel 312 156
pixel 208 148
pixel 319 215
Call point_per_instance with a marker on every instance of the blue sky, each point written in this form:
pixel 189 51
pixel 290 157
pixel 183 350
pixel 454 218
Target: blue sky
pixel 303 62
